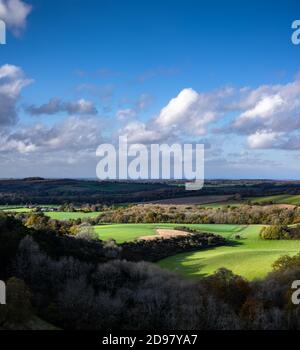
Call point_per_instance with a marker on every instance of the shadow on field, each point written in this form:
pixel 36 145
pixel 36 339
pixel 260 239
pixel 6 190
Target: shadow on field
pixel 193 269
pixel 190 271
pixel 234 242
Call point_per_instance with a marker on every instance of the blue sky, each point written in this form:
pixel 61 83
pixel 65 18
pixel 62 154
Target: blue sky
pixel 84 72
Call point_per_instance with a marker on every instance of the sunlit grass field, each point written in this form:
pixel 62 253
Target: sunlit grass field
pixel 60 215
pixel 221 205
pixel 128 232
pixel 277 199
pixel 57 215
pixel 248 256
pixel 15 209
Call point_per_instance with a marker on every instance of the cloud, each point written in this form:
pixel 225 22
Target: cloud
pixel 182 107
pixel 138 106
pixel 273 140
pixel 12 81
pixel 192 112
pixel 65 149
pixel 273 107
pixel 264 108
pixel 139 132
pixel 187 115
pixel 264 139
pixel 14 13
pixel 56 105
pixel 266 117
pixel 74 134
pixel 126 114
pixel 269 116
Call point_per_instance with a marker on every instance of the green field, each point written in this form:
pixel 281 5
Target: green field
pixel 221 205
pixel 249 256
pixel 15 209
pixel 277 199
pixel 126 232
pixel 2 207
pixel 129 232
pixel 60 215
pixel 56 215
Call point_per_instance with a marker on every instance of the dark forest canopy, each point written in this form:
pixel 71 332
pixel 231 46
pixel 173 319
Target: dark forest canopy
pixel 59 191
pixel 88 287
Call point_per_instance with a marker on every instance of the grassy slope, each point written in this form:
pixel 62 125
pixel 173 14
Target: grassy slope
pixel 3 207
pixel 249 256
pixel 278 199
pixel 16 210
pixel 69 215
pixel 128 232
pixel 54 215
pixel 222 205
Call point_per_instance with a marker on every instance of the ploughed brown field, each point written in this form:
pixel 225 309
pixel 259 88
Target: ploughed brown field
pixel 164 233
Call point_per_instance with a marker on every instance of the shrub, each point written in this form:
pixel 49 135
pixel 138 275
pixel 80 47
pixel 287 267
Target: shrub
pixel 275 232
pixel 160 248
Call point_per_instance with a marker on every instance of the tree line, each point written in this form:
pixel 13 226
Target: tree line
pixel 243 215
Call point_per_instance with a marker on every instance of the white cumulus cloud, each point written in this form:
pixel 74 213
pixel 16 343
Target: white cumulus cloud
pixel 12 81
pixel 14 13
pixel 263 139
pixel 189 111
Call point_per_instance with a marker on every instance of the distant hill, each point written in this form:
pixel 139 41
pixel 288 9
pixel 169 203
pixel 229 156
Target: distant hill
pixel 33 179
pixel 37 190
